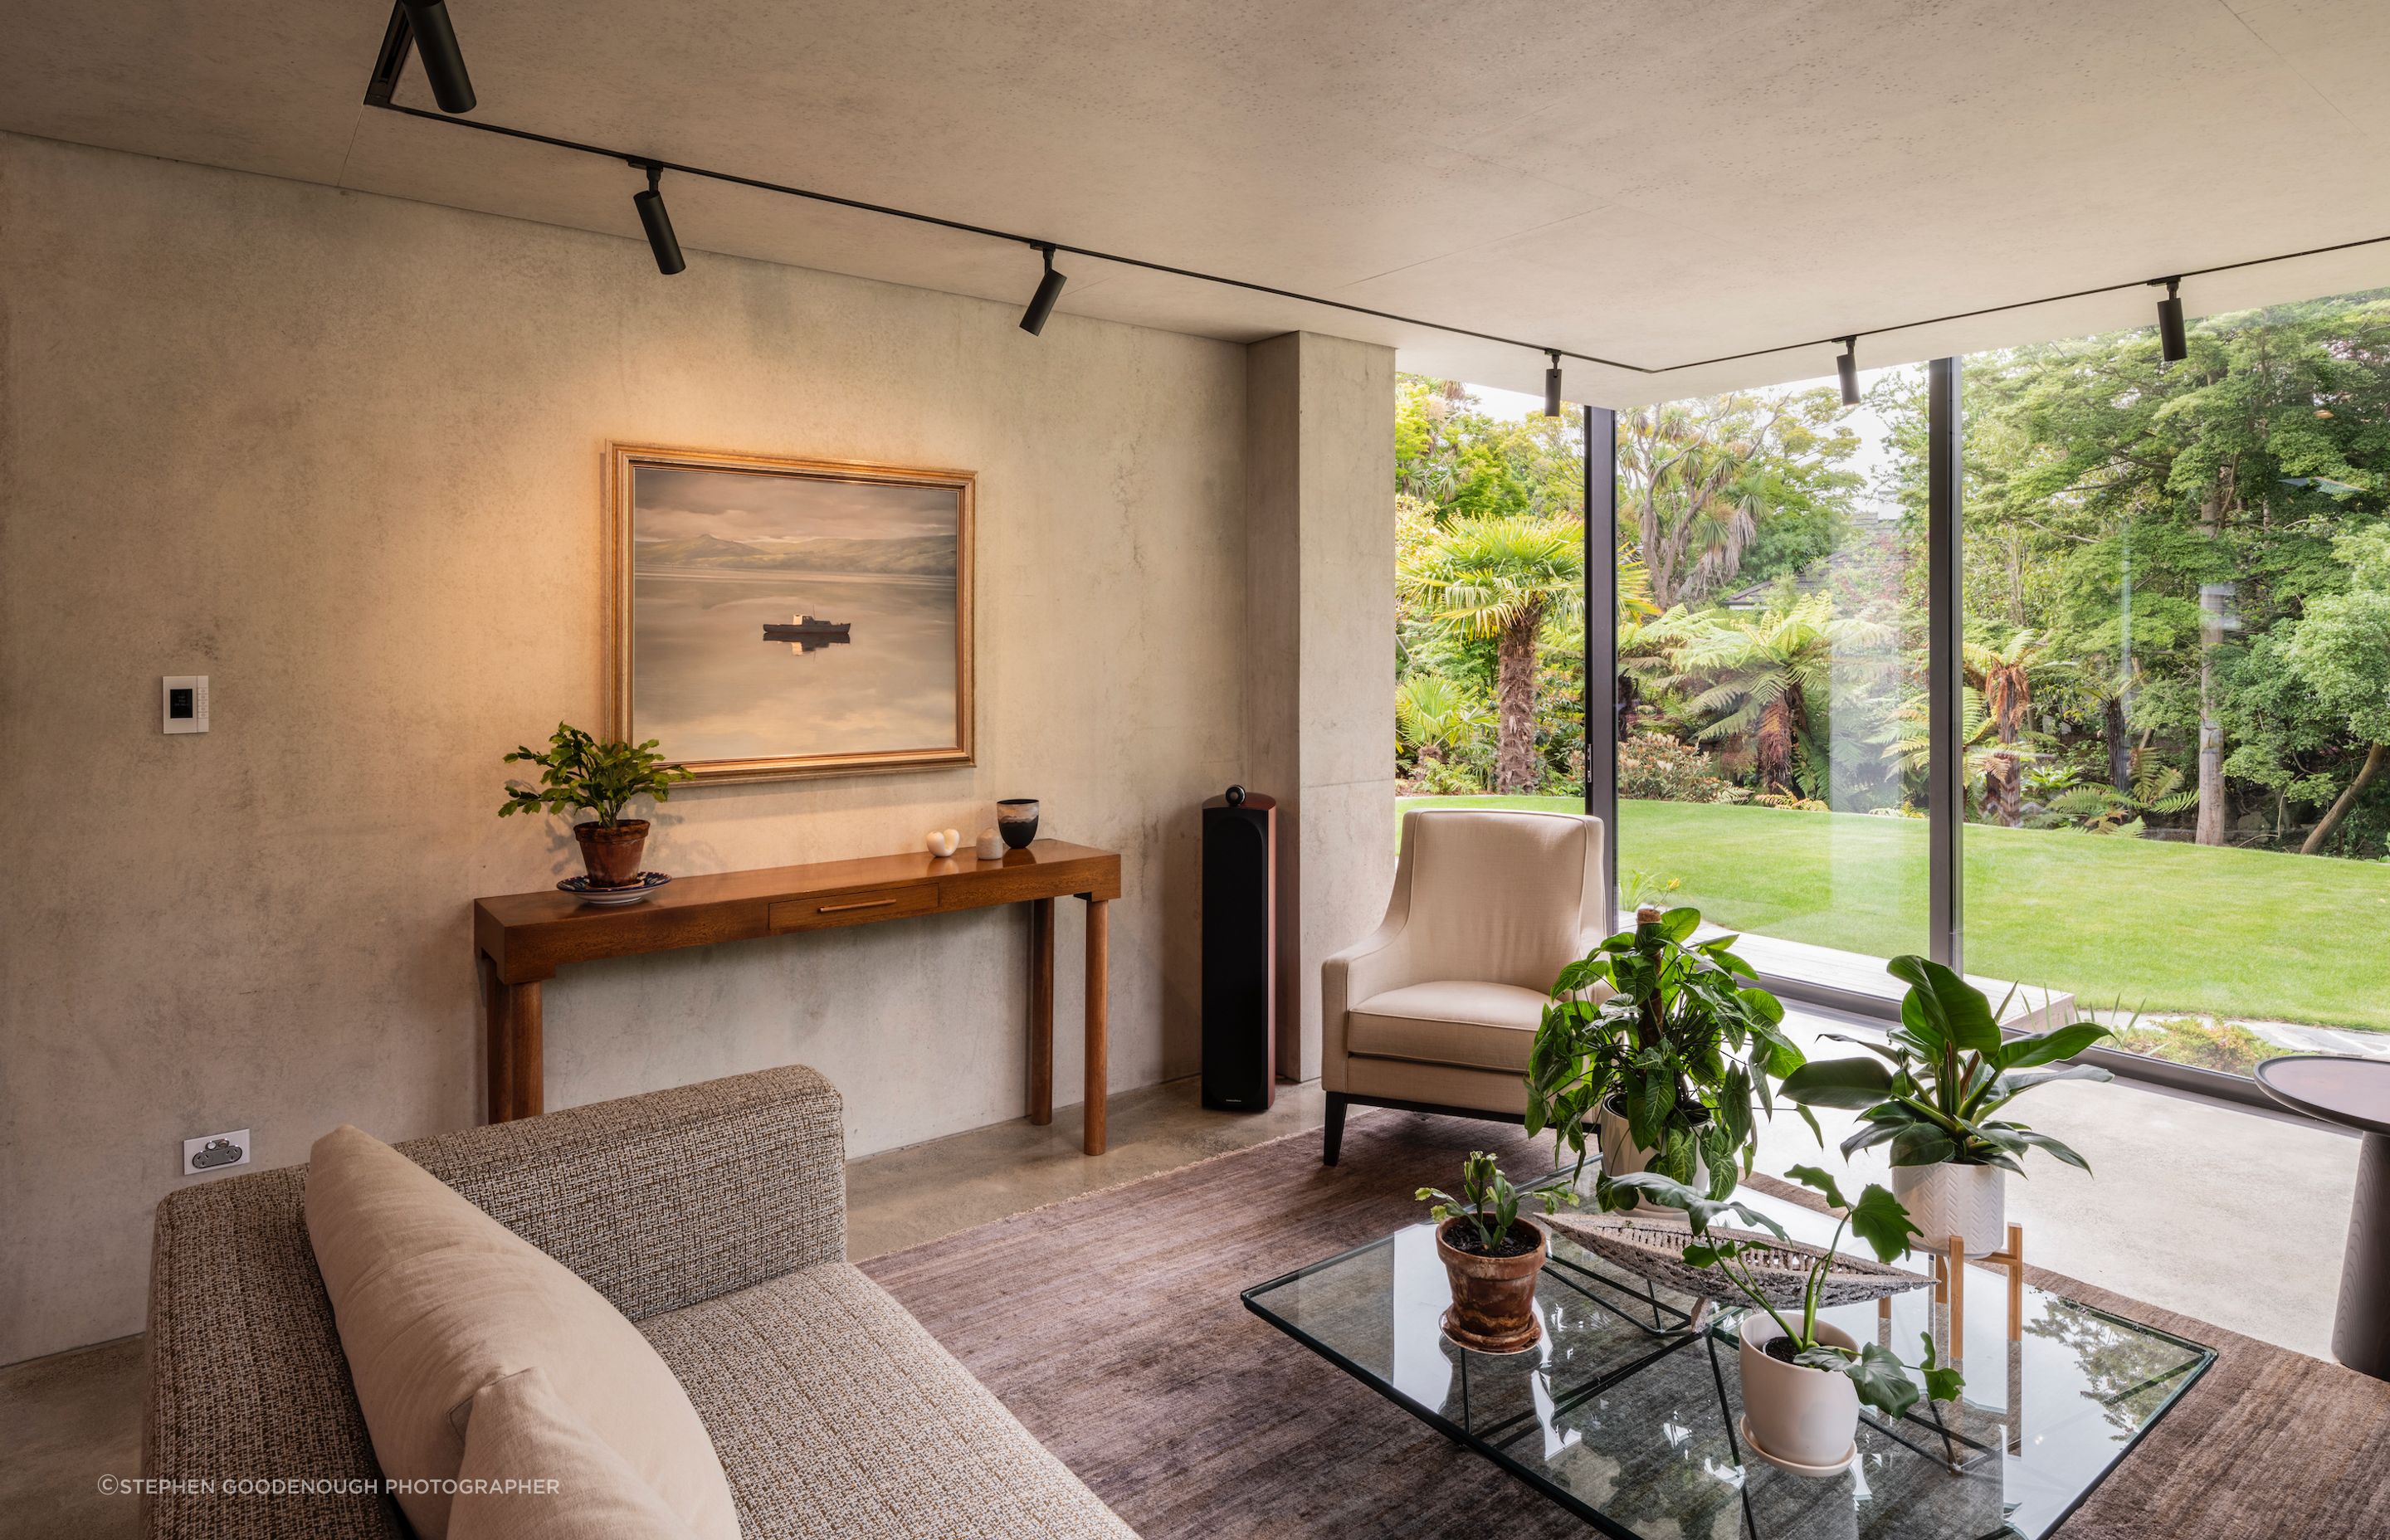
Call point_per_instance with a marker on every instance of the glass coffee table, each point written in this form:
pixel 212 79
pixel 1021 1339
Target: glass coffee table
pixel 1625 1415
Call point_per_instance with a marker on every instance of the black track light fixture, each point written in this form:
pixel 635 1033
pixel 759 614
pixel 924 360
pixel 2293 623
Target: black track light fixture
pixel 1050 288
pixel 435 44
pixel 661 239
pixel 1847 366
pixel 1552 384
pixel 2173 344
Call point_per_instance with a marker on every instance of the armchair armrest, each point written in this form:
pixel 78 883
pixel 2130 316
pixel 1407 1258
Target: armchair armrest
pixel 1372 966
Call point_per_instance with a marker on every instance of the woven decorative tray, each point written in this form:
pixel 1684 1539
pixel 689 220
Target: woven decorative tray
pixel 1655 1249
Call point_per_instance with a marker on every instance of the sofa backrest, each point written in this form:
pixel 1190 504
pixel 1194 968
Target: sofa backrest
pixel 659 1200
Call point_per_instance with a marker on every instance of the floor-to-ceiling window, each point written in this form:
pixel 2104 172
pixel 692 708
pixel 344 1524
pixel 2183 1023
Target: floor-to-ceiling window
pixel 2167 688
pixel 1771 663
pixel 2177 669
pixel 1489 642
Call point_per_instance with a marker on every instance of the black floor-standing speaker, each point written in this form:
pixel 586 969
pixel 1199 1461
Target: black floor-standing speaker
pixel 1240 951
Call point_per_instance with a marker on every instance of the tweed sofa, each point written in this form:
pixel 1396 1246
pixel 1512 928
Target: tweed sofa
pixel 714 1217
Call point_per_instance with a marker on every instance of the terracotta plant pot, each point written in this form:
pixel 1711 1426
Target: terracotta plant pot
pixel 612 852
pixel 1798 1415
pixel 1493 1298
pixel 1943 1200
pixel 1621 1156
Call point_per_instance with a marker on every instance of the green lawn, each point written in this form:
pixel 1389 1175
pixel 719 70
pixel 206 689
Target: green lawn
pixel 2163 926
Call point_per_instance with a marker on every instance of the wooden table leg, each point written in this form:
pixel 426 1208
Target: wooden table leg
pixel 511 1024
pixel 1098 982
pixel 1041 1011
pixel 499 1044
pixel 530 1072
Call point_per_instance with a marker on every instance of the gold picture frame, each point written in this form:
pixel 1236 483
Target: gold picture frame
pixel 719 560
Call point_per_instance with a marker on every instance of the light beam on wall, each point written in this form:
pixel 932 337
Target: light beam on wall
pixel 435 45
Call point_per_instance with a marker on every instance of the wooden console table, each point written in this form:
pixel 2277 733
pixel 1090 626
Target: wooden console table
pixel 521 939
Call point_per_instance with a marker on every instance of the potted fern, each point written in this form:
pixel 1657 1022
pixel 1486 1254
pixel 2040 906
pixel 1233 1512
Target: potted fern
pixel 1492 1256
pixel 1804 1380
pixel 1652 1042
pixel 580 773
pixel 1932 1091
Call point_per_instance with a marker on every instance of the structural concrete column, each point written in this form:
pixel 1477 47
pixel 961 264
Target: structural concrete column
pixel 1319 671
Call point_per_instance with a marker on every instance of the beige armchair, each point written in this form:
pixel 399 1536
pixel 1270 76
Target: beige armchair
pixel 1436 1010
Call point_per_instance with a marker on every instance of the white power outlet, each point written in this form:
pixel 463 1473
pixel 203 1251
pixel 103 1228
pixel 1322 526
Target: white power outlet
pixel 216 1152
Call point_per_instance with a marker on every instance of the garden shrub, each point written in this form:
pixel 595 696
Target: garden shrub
pixel 2224 1046
pixel 1655 768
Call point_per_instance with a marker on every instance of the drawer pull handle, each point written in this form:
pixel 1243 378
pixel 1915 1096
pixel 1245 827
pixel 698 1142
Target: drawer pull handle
pixel 842 908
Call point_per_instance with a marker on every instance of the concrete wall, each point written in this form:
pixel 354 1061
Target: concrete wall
pixel 342 453
pixel 1319 607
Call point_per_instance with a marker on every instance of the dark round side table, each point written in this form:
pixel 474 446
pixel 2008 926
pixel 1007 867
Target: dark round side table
pixel 2354 1092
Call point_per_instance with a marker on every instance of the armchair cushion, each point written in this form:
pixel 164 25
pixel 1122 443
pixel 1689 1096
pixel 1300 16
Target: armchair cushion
pixel 1482 1026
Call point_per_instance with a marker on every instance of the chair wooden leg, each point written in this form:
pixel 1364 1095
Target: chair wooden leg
pixel 1332 1141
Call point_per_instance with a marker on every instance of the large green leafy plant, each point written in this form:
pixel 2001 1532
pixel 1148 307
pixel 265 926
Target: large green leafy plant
pixel 1687 1050
pixel 1931 1090
pixel 578 771
pixel 1876 1372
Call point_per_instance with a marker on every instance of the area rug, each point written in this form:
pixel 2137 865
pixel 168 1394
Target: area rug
pixel 1110 1324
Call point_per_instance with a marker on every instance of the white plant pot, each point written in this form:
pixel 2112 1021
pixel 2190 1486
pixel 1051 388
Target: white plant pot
pixel 1943 1200
pixel 1621 1156
pixel 1798 1415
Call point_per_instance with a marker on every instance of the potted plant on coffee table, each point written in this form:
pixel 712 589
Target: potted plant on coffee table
pixel 578 773
pixel 1805 1380
pixel 1492 1256
pixel 1930 1094
pixel 1652 1040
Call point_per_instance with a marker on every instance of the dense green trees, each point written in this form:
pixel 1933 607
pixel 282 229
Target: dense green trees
pixel 2176 586
pixel 2169 531
pixel 1490 581
pixel 1706 485
pixel 1502 577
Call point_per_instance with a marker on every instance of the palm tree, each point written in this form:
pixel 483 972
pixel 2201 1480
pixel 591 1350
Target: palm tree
pixel 2099 808
pixel 2008 675
pixel 1756 674
pixel 1502 577
pixel 1911 741
pixel 1435 716
pixel 1695 478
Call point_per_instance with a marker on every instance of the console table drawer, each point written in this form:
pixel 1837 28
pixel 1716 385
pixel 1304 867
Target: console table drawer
pixel 856 909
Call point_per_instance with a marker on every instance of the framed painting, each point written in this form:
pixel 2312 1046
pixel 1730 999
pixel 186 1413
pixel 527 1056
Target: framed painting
pixel 772 618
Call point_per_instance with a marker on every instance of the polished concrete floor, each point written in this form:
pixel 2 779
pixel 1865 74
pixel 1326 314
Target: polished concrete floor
pixel 2225 1215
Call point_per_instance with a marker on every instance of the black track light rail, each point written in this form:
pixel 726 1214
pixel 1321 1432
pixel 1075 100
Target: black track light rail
pixel 381 90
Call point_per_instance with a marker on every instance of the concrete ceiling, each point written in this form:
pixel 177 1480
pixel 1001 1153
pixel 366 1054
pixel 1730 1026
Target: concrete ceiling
pixel 1647 182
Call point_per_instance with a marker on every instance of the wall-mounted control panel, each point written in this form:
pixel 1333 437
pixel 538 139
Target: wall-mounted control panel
pixel 186 703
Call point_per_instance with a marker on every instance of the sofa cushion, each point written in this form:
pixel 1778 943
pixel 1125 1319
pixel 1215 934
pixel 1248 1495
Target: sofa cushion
pixel 435 1300
pixel 1481 1026
pixel 836 1416
pixel 534 1471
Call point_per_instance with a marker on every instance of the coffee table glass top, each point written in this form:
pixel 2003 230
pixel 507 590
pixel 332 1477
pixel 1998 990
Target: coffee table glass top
pixel 1626 1417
